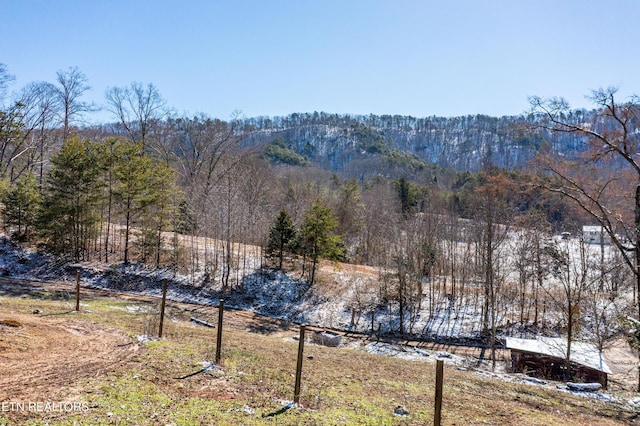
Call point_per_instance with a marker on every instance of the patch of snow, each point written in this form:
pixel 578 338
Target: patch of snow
pixel 413 354
pixel 143 338
pixel 135 309
pixel 286 296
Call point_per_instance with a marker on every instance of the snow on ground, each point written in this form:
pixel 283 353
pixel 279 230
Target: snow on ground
pixel 286 296
pixel 345 297
pixel 414 354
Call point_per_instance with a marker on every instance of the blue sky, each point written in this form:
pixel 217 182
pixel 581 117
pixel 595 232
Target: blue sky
pixel 275 57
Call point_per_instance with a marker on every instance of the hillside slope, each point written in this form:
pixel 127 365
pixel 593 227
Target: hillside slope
pixel 164 382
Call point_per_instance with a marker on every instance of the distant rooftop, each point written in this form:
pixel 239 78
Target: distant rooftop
pixel 592 228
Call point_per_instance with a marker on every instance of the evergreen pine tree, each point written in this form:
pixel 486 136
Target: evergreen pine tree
pixel 317 236
pixel 281 236
pixel 137 189
pixel 21 205
pixel 164 208
pixel 70 208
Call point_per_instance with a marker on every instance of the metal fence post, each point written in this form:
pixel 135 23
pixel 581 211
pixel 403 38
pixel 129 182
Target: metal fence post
pixel 162 305
pixel 438 404
pixel 78 291
pixel 296 392
pixel 219 336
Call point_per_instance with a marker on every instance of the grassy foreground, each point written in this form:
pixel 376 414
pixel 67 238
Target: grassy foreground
pixel 254 384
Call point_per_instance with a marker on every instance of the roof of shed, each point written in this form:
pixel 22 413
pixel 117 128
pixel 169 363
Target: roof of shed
pixel 582 353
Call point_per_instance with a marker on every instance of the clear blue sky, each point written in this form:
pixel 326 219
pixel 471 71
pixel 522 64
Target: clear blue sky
pixel 276 57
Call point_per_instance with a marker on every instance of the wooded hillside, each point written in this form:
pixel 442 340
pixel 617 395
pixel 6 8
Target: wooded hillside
pixel 431 202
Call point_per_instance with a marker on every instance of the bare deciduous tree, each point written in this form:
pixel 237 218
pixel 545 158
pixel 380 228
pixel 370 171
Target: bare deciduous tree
pixel 138 108
pixel 604 180
pixel 5 79
pixel 41 104
pixel 71 85
pixel 575 273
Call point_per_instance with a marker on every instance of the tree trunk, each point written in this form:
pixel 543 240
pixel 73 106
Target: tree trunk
pixel 488 285
pixel 126 237
pixel 493 331
pixel 637 251
pixel 567 361
pixel 401 300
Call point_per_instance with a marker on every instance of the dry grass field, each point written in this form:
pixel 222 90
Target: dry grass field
pixel 58 366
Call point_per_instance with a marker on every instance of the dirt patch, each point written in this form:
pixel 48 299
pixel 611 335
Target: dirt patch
pixel 10 323
pixel 219 389
pixel 44 357
pixel 623 362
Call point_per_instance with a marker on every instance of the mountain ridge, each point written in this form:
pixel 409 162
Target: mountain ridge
pixel 340 143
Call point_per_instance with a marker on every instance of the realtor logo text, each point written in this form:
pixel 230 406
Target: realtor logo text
pixel 43 406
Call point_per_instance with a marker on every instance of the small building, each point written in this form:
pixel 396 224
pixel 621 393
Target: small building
pixel 595 235
pixel 544 357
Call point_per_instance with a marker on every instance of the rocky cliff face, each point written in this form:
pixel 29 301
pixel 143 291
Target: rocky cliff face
pixel 340 142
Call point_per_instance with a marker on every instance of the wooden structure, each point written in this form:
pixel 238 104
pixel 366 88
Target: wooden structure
pixel 544 357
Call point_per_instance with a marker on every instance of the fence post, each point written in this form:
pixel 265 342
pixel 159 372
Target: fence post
pixel 219 337
pixel 438 404
pixel 296 392
pixel 162 305
pixel 78 290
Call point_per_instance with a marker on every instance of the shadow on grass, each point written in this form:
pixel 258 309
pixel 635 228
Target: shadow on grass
pixel 33 290
pixel 268 327
pixel 280 411
pixel 72 311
